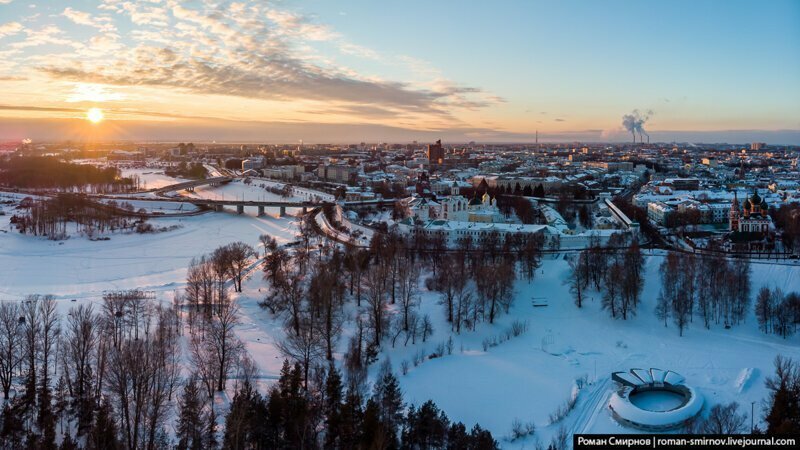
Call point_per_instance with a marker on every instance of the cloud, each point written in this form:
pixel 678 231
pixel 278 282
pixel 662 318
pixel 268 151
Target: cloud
pixel 48 35
pixel 5 2
pixel 10 29
pixel 249 50
pixel 139 13
pixel 37 108
pixel 560 120
pixel 84 18
pixel 86 92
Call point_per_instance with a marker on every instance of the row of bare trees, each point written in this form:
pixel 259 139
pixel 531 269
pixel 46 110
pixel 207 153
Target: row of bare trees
pixel 777 312
pixel 617 274
pixel 208 275
pixel 379 288
pixel 51 217
pixel 70 373
pixel 712 288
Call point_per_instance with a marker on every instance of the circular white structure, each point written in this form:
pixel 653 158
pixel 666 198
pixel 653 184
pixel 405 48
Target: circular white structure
pixel 653 400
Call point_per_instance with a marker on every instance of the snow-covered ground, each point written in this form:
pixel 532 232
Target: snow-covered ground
pixel 525 378
pixel 152 178
pixel 82 269
pixel 530 376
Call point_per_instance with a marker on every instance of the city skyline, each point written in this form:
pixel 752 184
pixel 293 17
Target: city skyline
pixel 350 71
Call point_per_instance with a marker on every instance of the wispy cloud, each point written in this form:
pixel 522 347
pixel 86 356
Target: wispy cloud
pixel 248 49
pixel 10 28
pixel 83 18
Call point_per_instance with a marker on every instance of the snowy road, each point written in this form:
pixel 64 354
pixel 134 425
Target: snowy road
pixel 590 405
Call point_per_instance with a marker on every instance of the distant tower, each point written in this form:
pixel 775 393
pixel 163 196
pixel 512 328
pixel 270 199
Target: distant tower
pixel 734 214
pixel 454 190
pixel 436 153
pixel 537 138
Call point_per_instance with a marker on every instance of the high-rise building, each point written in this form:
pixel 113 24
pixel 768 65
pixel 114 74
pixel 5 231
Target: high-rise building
pixel 436 153
pixel 755 146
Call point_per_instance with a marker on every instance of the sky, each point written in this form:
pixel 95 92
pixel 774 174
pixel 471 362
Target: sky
pixel 395 71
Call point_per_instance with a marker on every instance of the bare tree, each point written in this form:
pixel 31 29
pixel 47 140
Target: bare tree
pixel 80 342
pixel 220 260
pixel 31 317
pixel 10 344
pixel 143 374
pixel 446 283
pixel 238 256
pixel 407 287
pixel 268 242
pixel 724 419
pixel 200 285
pixel 575 279
pixel 326 297
pixel 306 347
pixel 288 295
pixel 226 347
pixel 376 284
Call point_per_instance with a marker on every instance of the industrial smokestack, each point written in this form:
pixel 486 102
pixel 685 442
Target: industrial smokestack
pixel 634 122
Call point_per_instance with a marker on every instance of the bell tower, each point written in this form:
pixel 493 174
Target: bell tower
pixel 733 216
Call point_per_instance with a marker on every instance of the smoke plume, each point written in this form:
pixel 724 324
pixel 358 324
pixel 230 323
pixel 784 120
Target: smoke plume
pixel 634 123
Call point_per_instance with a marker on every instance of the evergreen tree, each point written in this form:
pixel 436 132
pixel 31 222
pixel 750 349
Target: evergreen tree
pixel 457 437
pixel 482 439
pixel 211 428
pixel 296 414
pixel 46 419
pixel 389 400
pixel 11 427
pixel 68 443
pixel 426 428
pixel 274 424
pixel 374 433
pixel 189 430
pixel 103 435
pixel 527 192
pixel 333 408
pixel 245 424
pixel 351 420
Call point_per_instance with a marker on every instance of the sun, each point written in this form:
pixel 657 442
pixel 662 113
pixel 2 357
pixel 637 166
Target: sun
pixel 94 115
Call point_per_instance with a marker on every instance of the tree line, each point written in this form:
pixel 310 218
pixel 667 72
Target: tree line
pixel 101 377
pixel 335 414
pixel 51 217
pixel 709 287
pixel 618 275
pixel 37 172
pixel 187 170
pixel 776 312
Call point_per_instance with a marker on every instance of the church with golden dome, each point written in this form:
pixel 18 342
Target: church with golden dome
pixel 753 217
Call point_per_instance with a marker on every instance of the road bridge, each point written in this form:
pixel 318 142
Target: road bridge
pixel 190 185
pixel 218 205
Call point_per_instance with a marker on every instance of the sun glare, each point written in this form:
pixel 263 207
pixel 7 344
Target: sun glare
pixel 94 115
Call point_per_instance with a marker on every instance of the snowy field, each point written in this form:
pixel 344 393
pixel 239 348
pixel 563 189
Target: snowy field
pixel 526 378
pixel 78 268
pixel 152 178
pixel 530 376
